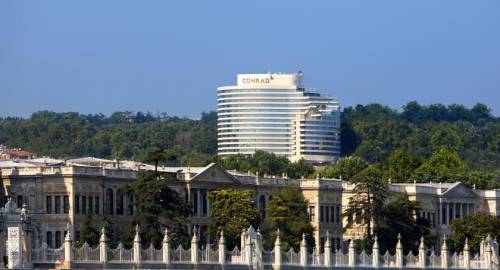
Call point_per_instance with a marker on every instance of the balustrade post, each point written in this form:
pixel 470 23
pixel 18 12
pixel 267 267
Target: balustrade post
pixel 421 253
pixel 277 251
pixel 243 244
pixel 222 249
pixel 488 253
pixel 328 250
pixel 103 246
pixel 303 251
pixel 399 253
pixel 68 250
pixel 444 254
pixel 137 246
pixel 166 248
pixel 248 250
pixel 194 247
pixel 352 254
pixel 375 253
pixel 466 254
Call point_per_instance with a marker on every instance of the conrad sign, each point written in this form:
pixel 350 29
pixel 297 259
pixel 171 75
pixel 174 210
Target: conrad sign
pixel 256 80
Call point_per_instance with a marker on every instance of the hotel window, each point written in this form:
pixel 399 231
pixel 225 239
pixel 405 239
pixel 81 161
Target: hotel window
pixel 77 204
pixel 119 202
pixel 311 213
pixel 97 205
pixel 58 240
pixel 49 240
pixel 109 202
pixel 48 204
pixel 321 214
pixel 57 204
pixel 84 205
pixel 65 204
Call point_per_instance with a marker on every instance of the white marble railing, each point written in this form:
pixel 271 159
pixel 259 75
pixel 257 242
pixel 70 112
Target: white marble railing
pixel 253 255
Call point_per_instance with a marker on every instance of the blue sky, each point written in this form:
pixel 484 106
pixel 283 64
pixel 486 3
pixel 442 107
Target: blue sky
pixel 169 56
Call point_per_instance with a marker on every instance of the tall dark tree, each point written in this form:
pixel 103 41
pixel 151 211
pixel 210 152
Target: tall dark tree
pixel 369 195
pixel 232 211
pixel 157 207
pixel 287 211
pixel 158 155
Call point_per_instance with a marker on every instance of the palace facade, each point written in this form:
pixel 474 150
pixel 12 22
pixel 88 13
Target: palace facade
pixel 58 193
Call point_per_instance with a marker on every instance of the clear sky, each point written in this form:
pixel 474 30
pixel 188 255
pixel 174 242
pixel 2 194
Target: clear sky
pixel 169 56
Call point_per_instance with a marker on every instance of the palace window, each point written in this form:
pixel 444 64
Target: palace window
pixel 57 204
pixel 119 202
pixel 84 205
pixel 262 205
pixel 66 204
pixel 130 206
pixel 58 240
pixel 321 213
pixel 311 213
pixel 109 201
pixel 49 240
pixel 77 204
pixel 48 205
pixel 97 205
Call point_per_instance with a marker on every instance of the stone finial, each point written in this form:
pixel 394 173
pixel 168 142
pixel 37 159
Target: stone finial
pixel 422 243
pixel 221 239
pixel 278 240
pixel 103 234
pixel 165 235
pixel 303 242
pixel 375 242
pixel 444 246
pixel 466 245
pixel 137 237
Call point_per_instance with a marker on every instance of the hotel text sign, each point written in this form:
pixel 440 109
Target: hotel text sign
pixel 256 80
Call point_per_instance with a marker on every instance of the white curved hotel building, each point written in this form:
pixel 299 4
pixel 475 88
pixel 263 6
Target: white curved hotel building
pixel 275 113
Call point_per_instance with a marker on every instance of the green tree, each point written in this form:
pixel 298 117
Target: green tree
pixel 232 211
pixel 158 207
pixel 299 169
pixel 398 217
pixel 346 167
pixel 473 227
pixel 88 232
pixel 401 166
pixel 443 166
pixel 365 205
pixel 287 211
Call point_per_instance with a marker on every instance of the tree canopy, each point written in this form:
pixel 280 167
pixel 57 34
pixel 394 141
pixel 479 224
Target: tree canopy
pixel 473 227
pixel 232 211
pixel 287 212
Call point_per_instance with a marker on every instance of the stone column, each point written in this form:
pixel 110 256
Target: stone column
pixel 137 246
pixel 421 253
pixel 399 253
pixel 166 248
pixel 68 250
pixel 222 249
pixel 488 253
pixel 194 247
pixel 103 243
pixel 444 254
pixel 466 254
pixel 328 250
pixel 375 253
pixel 303 251
pixel 352 254
pixel 277 251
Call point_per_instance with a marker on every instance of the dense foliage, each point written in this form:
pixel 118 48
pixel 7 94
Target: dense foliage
pixel 231 211
pixel 287 212
pixel 400 141
pixel 474 227
pixel 123 135
pixel 157 207
pixel 265 163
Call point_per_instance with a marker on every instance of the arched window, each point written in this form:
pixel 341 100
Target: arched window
pixel 49 240
pixel 58 240
pixel 119 202
pixel 262 205
pixel 109 202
